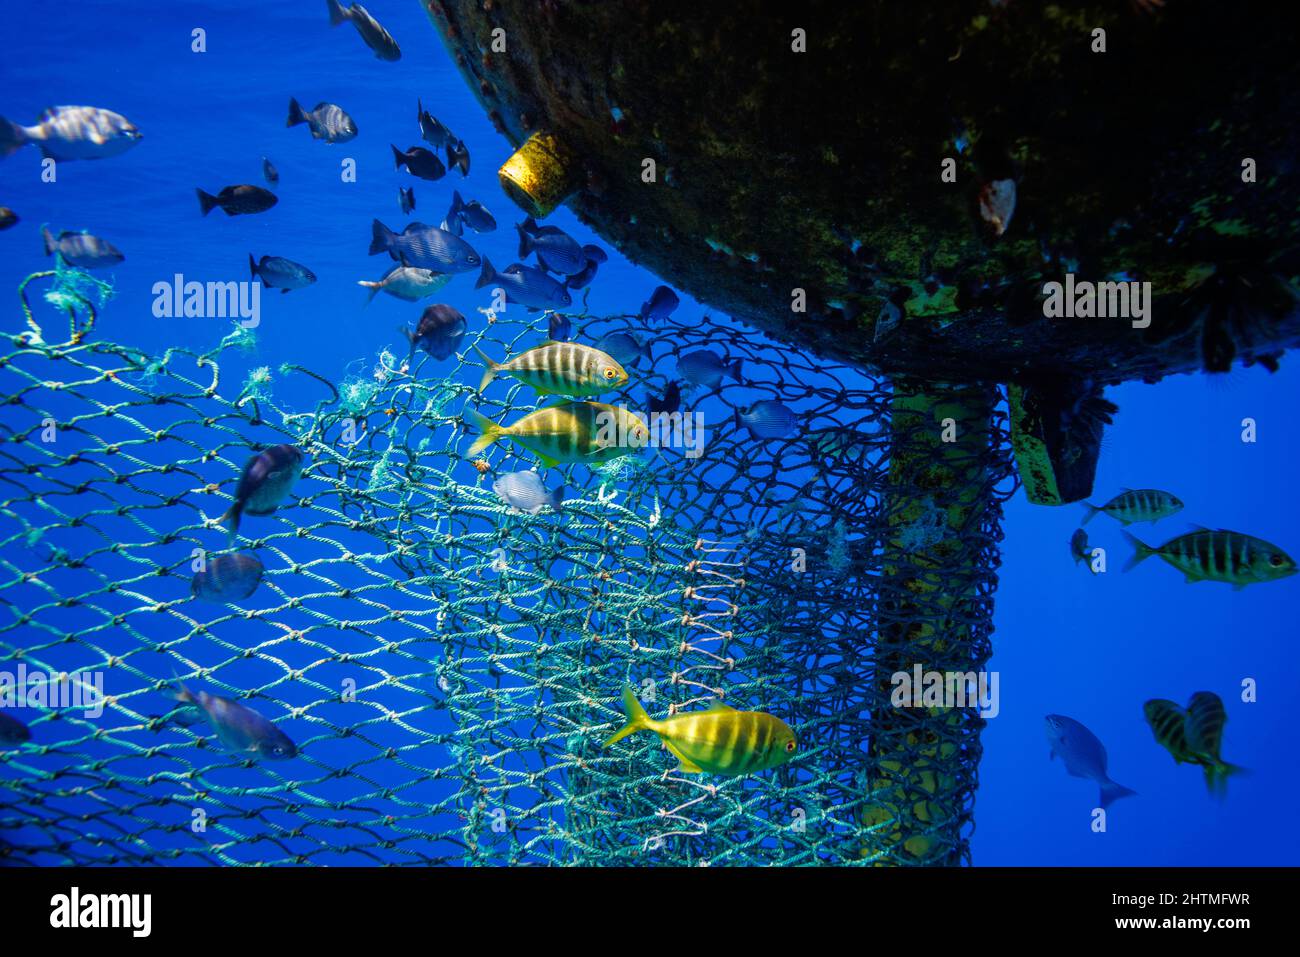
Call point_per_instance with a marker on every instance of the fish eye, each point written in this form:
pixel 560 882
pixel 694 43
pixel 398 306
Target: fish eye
pixel 610 373
pixel 790 746
pixel 1276 560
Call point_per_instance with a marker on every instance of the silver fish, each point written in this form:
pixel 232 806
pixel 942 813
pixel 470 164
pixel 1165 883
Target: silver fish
pixel 82 249
pixel 327 121
pixel 72 132
pixel 408 283
pixel 264 484
pixel 424 246
pixel 1083 755
pixel 526 492
pixel 239 727
pixel 225 578
pixel 276 272
pixel 375 36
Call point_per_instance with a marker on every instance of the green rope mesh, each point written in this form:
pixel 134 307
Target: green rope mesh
pixel 449 667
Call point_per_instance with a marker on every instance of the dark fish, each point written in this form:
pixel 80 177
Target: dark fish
pixel 406 199
pixel 1166 719
pixel 705 368
pixel 419 162
pixel 432 132
pixel 1222 556
pixel 1083 755
pixel 13 731
pixel 425 246
pixel 276 272
pixel 660 305
pixel 7 217
pixel 82 249
pixel 556 249
pixel 1079 546
pixel 670 403
pixel 72 132
pixel 559 328
pixel 531 288
pixel 227 578
pixel 1203 729
pixel 327 121
pixel 526 492
pixel 458 156
pixel 595 256
pixel 239 727
pixel 473 214
pixel 376 37
pixel 624 347
pixel 269 172
pixel 264 484
pixel 438 332
pixel 768 419
pixel 236 200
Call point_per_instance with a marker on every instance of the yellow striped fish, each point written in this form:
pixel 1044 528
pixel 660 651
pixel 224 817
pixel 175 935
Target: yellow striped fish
pixel 720 740
pixel 1203 729
pixel 587 432
pixel 559 368
pixel 1136 505
pixel 1221 556
pixel 1166 720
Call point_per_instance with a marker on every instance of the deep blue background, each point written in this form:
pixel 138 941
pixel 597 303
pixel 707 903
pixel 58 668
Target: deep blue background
pixel 1090 647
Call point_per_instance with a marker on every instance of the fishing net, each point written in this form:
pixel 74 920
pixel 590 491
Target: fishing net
pixel 449 666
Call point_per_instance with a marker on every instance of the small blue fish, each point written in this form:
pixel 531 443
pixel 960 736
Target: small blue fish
pixel 1079 546
pixel 526 492
pixel 264 484
pixel 276 272
pixel 660 305
pixel 82 249
pixel 419 162
pixel 705 368
pixel 556 250
pixel 13 731
pixel 472 214
pixel 560 328
pixel 406 199
pixel 239 727
pixel 768 419
pixel 269 171
pixel 427 247
pixel 227 578
pixel 670 403
pixel 438 332
pixel 432 132
pixel 1084 756
pixel 595 256
pixel 624 347
pixel 526 286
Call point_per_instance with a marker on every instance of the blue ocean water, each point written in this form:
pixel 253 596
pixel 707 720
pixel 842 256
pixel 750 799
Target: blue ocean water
pixel 1090 647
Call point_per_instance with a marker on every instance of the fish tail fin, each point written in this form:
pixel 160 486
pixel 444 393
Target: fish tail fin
pixel 457 204
pixel 337 13
pixel 734 369
pixel 1112 792
pixel 206 201
pixel 492 432
pixel 486 275
pixel 252 267
pixel 1089 512
pixel 229 519
pixel 372 290
pixel 525 241
pixel 1216 778
pixel 637 719
pixel 51 243
pixel 381 238
pixel 12 137
pixel 1141 551
pixel 490 370
pixel 399 160
pixel 296 114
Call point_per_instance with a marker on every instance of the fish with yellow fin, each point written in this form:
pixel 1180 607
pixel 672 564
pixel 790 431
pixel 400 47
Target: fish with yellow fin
pixel 720 740
pixel 588 432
